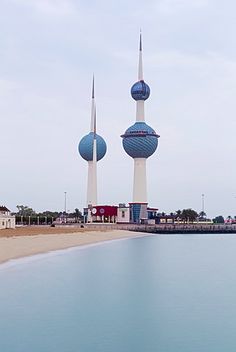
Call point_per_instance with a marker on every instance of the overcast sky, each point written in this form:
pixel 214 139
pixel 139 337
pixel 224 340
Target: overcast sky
pixel 49 50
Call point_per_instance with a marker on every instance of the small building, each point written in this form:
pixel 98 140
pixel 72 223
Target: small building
pixel 7 221
pixel 123 214
pixel 101 213
pixel 163 218
pixel 140 213
pixel 133 213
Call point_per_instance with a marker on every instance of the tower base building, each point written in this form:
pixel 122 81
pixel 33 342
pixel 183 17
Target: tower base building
pixel 100 214
pixel 138 212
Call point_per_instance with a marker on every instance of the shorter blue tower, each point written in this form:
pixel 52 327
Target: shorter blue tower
pixel 92 148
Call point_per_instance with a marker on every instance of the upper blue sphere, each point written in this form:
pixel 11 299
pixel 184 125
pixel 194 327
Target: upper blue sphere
pixel 86 147
pixel 140 140
pixel 140 91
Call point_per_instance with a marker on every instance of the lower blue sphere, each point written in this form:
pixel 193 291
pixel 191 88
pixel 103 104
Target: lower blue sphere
pixel 140 91
pixel 86 147
pixel 140 140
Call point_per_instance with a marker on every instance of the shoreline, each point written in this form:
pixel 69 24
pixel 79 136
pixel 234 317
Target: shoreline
pixel 34 240
pixel 21 246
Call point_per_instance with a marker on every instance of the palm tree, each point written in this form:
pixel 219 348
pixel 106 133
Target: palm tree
pixel 202 214
pixel 189 215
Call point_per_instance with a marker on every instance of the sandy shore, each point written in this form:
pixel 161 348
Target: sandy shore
pixel 29 241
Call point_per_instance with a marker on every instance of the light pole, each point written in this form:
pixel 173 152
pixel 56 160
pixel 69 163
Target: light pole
pixel 65 202
pixel 65 209
pixel 203 203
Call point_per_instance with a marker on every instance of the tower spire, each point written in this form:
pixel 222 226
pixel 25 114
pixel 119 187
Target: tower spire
pixel 93 109
pixel 140 63
pixel 93 88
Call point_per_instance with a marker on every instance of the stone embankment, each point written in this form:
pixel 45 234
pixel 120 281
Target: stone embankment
pixel 188 229
pixel 169 228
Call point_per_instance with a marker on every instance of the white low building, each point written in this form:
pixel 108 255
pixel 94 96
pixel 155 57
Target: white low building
pixel 7 221
pixel 123 214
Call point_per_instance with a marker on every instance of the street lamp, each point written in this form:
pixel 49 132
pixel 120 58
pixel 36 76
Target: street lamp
pixel 203 203
pixel 65 202
pixel 65 209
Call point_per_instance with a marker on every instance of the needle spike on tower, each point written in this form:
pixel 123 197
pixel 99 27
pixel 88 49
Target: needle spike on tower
pixel 93 88
pixel 92 108
pixel 140 40
pixel 140 65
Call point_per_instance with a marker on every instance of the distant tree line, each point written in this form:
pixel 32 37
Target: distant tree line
pixel 185 215
pixel 190 215
pixel 27 215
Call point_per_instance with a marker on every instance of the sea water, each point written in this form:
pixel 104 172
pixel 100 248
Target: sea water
pixel 152 294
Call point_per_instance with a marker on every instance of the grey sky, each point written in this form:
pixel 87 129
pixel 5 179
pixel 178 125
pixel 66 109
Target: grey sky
pixel 49 50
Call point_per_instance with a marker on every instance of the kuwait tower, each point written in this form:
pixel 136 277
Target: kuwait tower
pixel 140 142
pixel 92 148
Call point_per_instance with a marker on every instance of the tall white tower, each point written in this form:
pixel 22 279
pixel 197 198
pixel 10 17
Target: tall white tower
pixel 140 142
pixel 92 148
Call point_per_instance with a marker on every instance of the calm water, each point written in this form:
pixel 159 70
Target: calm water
pixel 159 293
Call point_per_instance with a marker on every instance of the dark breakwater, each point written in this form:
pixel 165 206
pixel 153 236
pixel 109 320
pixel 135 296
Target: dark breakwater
pixel 195 228
pixel 185 229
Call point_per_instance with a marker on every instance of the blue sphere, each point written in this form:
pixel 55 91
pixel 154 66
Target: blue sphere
pixel 140 140
pixel 86 147
pixel 140 91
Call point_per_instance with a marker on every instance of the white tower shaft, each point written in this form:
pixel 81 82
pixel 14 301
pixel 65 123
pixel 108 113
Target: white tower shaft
pixel 92 165
pixel 140 181
pixel 140 111
pixel 92 184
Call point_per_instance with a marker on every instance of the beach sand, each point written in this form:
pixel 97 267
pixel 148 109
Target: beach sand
pixel 27 241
